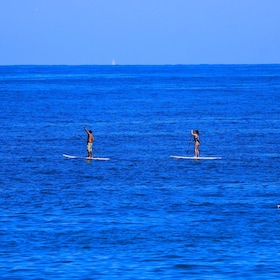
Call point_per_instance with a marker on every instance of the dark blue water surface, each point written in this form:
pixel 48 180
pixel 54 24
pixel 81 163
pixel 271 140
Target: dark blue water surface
pixel 141 215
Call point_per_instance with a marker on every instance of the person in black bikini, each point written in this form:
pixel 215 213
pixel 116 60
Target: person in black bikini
pixel 195 134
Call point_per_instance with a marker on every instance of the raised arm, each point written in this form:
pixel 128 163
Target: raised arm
pixel 86 130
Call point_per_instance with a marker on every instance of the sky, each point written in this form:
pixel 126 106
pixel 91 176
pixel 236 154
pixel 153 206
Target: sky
pixel 139 32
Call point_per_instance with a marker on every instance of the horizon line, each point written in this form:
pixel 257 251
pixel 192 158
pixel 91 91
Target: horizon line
pixel 116 65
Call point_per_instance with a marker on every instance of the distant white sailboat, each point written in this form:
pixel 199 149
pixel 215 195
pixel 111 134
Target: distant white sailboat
pixel 113 62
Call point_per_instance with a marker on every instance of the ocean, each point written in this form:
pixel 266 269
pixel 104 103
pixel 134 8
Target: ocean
pixel 142 214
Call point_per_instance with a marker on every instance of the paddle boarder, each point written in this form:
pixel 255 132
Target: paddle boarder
pixel 90 141
pixel 195 134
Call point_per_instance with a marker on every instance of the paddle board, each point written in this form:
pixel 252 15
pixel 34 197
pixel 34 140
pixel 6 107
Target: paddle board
pixel 89 158
pixel 198 158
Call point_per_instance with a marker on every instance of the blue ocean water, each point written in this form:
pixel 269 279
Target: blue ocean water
pixel 141 215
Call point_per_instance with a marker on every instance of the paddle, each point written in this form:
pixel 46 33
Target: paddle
pixel 189 144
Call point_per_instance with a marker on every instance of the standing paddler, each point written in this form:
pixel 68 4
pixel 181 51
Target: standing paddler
pixel 196 141
pixel 90 140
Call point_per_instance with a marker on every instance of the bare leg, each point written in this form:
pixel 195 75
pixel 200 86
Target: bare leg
pixel 196 151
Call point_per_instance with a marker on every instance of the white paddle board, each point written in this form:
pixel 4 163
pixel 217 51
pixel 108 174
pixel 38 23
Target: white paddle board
pixel 197 158
pixel 89 158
